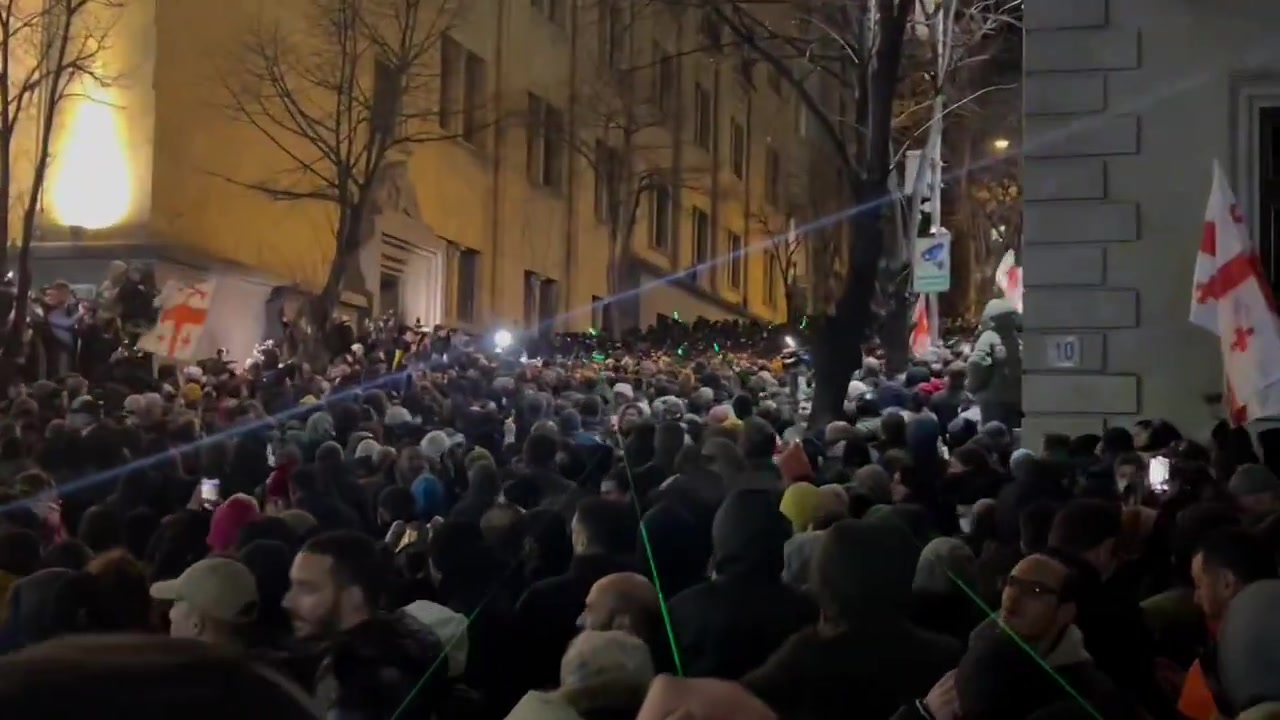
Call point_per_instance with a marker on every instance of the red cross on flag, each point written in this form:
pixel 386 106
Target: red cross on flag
pixel 920 337
pixel 1009 279
pixel 184 308
pixel 1231 298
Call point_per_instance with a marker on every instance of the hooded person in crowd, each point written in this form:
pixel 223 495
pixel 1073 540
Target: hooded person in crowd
pixel 864 657
pixel 731 623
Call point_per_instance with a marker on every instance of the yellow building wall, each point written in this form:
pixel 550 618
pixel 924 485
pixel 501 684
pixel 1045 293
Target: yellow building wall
pixel 184 146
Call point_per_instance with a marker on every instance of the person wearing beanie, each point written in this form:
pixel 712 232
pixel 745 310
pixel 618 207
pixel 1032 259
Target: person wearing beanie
pixel 191 394
pixel 1257 489
pixel 301 521
pixel 794 465
pixel 367 448
pixel 800 503
pixel 475 457
pixel 232 515
pixel 397 415
pixel 721 414
pixel 434 445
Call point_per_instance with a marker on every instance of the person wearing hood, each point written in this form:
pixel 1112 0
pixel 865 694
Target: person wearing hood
pixel 941 599
pixel 864 658
pixel 1028 658
pixel 45 605
pixel 675 546
pixel 730 624
pixel 995 366
pixel 758 442
pixel 1248 653
pixel 374 661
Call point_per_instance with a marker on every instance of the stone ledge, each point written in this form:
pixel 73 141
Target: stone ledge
pixel 1079 309
pixel 1078 393
pixel 1079 222
pixel 1064 93
pixel 1063 264
pixel 1077 50
pixel 1064 179
pixel 1039 353
pixel 1056 14
pixel 1035 427
pixel 1057 136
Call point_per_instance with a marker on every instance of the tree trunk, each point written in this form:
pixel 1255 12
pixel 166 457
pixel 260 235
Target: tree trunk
pixel 837 349
pixel 895 332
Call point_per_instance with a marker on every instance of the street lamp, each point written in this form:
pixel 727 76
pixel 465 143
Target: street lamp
pixel 1000 144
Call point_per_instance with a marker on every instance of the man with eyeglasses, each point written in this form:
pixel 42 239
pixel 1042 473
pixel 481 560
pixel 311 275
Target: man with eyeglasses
pixel 1020 657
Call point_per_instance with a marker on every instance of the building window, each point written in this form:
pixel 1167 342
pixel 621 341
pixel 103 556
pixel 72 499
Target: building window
pixel 660 232
pixel 467 288
pixel 738 148
pixel 772 175
pixel 386 98
pixel 771 281
pixel 664 80
pixel 474 89
pixel 1269 192
pixel 598 312
pixel 389 293
pixel 734 245
pixel 608 167
pixel 548 305
pixel 545 156
pixel 553 10
pixel 532 284
pixel 613 33
pixel 701 246
pixel 451 62
pixel 702 116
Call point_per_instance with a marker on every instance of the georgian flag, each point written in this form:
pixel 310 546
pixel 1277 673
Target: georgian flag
pixel 1231 298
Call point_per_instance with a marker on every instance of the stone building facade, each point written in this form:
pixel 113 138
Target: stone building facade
pixel 1127 103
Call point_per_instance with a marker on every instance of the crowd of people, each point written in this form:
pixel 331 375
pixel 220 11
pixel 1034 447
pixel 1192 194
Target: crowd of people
pixel 649 533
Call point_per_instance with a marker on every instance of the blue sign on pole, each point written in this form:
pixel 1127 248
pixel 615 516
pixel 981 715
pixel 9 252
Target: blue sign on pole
pixel 931 263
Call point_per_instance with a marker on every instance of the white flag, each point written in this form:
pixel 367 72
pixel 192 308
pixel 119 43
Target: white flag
pixel 1009 279
pixel 1231 299
pixel 199 317
pixel 184 308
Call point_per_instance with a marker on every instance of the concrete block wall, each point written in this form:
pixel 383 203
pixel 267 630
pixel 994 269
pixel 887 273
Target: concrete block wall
pixel 1071 221
pixel 1127 105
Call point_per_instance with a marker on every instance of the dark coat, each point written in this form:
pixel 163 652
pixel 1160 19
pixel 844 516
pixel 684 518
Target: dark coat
pixel 868 671
pixel 729 625
pixel 546 618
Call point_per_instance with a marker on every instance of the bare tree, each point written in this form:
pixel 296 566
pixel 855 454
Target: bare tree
pixel 51 53
pixel 787 250
pixel 624 128
pixel 342 89
pixel 844 60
